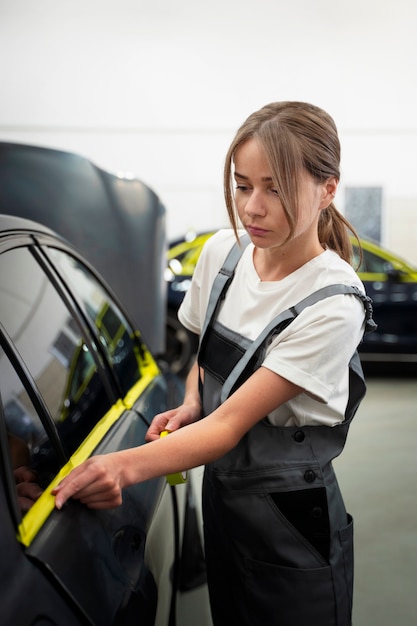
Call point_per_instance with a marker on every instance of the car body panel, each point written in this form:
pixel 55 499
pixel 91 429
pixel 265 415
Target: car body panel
pixel 100 584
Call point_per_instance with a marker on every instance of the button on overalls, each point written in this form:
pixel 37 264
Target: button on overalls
pixel 278 540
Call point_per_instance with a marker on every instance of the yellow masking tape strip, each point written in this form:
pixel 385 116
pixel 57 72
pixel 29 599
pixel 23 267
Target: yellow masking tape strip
pixel 34 519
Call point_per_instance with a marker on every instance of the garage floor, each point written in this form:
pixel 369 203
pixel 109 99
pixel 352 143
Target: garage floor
pixel 378 476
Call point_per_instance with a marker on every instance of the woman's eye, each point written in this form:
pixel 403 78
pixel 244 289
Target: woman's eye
pixel 274 191
pixel 241 188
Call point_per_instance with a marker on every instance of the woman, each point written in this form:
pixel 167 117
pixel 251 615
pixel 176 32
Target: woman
pixel 272 381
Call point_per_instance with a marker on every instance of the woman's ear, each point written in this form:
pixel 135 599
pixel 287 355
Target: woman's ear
pixel 329 191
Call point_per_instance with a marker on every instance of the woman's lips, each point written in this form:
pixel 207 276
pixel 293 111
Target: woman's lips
pixel 256 231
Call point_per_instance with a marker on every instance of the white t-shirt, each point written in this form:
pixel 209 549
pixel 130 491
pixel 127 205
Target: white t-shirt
pixel 313 351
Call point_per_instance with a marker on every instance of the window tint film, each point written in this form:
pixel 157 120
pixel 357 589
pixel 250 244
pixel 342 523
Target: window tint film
pixel 55 353
pixel 123 349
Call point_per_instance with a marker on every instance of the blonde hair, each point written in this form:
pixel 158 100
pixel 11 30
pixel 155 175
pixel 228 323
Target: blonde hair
pixel 295 136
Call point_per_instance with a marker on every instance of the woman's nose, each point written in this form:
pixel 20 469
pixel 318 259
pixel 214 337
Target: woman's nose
pixel 255 205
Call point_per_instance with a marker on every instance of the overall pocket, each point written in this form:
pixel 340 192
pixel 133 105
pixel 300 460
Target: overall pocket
pixel 306 510
pixel 286 596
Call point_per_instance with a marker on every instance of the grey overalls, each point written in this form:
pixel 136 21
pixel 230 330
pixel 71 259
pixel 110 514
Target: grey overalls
pixel 278 540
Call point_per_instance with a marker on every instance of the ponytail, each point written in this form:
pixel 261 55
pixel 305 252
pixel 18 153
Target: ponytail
pixel 334 229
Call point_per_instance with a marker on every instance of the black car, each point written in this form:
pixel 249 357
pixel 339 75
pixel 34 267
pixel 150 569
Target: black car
pixel 115 221
pixel 76 379
pixel 389 281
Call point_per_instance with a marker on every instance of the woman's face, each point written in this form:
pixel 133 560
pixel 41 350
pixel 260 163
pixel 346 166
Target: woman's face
pixel 258 204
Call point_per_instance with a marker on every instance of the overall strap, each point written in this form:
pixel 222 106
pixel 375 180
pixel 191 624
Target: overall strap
pixel 286 317
pixel 332 290
pixel 223 280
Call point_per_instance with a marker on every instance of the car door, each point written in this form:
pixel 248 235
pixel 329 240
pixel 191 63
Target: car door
pixel 75 380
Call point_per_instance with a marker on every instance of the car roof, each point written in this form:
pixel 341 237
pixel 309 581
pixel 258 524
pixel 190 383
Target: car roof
pixel 10 224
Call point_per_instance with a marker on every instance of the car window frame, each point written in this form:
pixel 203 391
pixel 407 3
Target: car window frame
pixel 35 396
pixel 149 367
pixel 36 248
pixel 6 472
pixel 28 525
pixel 76 308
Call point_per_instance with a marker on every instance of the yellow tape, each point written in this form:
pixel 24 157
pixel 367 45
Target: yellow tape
pixel 35 518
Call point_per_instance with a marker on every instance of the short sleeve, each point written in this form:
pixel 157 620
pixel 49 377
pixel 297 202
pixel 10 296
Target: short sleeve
pixel 315 349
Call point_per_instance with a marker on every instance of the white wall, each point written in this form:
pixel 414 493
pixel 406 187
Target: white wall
pixel 158 88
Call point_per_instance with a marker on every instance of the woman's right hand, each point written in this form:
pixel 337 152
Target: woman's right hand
pixel 173 420
pixel 186 413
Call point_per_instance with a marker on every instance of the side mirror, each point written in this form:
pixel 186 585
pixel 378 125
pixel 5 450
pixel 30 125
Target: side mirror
pixel 393 274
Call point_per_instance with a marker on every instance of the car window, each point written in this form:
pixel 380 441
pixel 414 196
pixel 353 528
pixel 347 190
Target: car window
pixel 32 464
pixel 26 434
pixel 373 263
pixel 56 353
pixel 123 349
